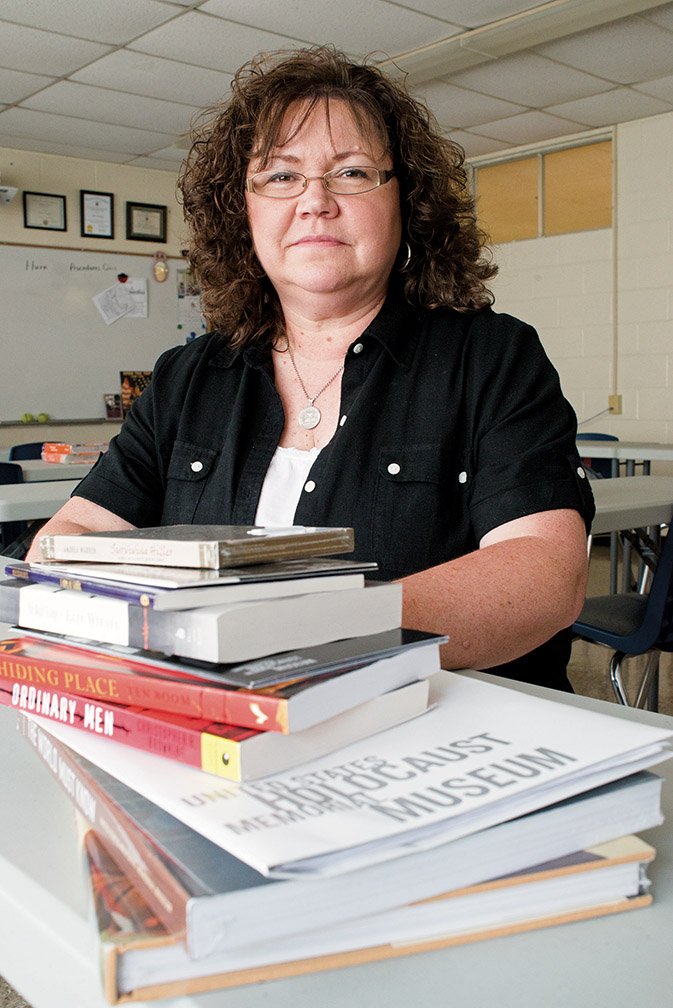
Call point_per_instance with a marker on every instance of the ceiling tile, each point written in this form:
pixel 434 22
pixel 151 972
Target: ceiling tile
pixel 618 105
pixel 67 150
pixel 470 14
pixel 455 106
pixel 154 77
pixel 148 161
pixel 44 52
pixel 79 132
pixel 208 41
pixel 626 51
pixel 352 25
pixel 89 19
pixel 475 145
pixel 661 88
pixel 530 80
pixel 529 127
pixel 15 85
pixel 662 16
pixel 86 102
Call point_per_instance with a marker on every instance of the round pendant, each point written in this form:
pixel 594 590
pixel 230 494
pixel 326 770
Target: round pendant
pixel 309 417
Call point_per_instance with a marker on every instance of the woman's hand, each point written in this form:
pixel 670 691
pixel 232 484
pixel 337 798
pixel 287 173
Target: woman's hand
pixel 526 582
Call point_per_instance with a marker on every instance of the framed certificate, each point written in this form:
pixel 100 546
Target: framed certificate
pixel 45 211
pixel 96 214
pixel 145 222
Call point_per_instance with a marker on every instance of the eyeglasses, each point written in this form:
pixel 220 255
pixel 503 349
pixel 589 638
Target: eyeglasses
pixel 348 181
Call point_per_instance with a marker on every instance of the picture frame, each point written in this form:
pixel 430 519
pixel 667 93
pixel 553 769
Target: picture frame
pixel 44 211
pixel 146 222
pixel 96 214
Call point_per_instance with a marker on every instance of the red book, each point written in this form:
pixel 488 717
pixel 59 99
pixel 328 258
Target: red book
pixel 222 749
pixel 289 706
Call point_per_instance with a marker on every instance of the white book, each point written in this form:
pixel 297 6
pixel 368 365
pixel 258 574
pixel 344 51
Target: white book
pixel 484 754
pixel 232 632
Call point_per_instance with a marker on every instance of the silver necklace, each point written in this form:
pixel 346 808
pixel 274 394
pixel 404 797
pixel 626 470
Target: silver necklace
pixel 310 416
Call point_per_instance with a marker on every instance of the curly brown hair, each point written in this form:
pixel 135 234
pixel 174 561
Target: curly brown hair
pixel 449 263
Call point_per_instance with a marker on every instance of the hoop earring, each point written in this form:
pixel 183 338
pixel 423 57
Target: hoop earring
pixel 407 259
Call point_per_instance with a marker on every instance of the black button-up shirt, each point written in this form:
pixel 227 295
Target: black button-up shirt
pixel 451 425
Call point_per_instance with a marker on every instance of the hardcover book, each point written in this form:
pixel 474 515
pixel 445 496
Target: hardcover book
pixel 189 588
pixel 140 959
pixel 220 749
pixel 298 703
pixel 212 546
pixel 226 904
pixel 483 754
pixel 234 632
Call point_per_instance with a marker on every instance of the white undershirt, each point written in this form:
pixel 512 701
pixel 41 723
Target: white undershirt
pixel 283 484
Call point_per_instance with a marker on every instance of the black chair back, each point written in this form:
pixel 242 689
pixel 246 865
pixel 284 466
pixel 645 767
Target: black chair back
pixel 28 450
pixel 9 531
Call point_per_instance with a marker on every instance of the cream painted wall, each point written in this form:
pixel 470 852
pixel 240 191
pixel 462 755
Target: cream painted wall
pixel 64 176
pixel 599 334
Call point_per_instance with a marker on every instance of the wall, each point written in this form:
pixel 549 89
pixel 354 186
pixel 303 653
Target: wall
pixel 65 177
pixel 564 286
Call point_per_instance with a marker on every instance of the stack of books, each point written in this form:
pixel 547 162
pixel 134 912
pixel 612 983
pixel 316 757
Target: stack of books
pixel 455 810
pixel 239 671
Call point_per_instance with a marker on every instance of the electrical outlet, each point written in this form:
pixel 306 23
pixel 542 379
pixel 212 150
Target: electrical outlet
pixel 615 403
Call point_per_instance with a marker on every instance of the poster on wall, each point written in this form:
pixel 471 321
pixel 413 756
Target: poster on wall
pixel 190 317
pixel 132 383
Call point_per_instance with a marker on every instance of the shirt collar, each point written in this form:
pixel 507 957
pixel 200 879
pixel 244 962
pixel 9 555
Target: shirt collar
pixel 396 328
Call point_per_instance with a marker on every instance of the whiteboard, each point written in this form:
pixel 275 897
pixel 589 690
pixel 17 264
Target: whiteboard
pixel 59 356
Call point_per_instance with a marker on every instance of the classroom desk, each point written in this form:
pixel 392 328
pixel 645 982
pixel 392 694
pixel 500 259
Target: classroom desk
pixel 47 948
pixel 25 501
pixel 37 471
pixel 631 453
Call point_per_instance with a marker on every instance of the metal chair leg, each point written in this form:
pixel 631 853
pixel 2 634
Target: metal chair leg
pixel 648 691
pixel 616 678
pixel 647 697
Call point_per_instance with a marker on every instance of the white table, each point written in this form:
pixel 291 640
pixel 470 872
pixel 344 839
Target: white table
pixel 37 471
pixel 633 503
pixel 631 453
pixel 47 948
pixel 25 501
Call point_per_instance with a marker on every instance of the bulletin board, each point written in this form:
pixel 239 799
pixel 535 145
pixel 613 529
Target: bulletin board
pixel 58 354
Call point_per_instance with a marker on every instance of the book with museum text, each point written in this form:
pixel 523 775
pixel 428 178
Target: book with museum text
pixel 222 750
pixel 218 902
pixel 211 546
pixel 484 753
pixel 234 632
pixel 306 697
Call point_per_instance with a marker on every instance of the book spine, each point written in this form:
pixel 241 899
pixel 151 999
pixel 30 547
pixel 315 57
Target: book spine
pixel 56 610
pixel 118 590
pixel 108 549
pixel 182 739
pixel 163 892
pixel 138 689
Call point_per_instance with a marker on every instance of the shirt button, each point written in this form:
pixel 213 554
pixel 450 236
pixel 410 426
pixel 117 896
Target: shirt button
pixel 358 348
pixel 394 468
pixel 342 421
pixel 196 466
pixel 309 487
pixel 581 473
pixel 462 477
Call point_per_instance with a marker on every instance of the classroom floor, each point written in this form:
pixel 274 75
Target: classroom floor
pixel 588 673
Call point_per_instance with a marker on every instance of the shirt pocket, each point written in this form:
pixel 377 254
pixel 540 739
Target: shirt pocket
pixel 409 508
pixel 186 478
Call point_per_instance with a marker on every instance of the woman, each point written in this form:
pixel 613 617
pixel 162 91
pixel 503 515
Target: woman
pixel 357 375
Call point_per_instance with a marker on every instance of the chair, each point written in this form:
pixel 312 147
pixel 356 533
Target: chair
pixel 632 624
pixel 602 467
pixel 9 531
pixel 29 450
